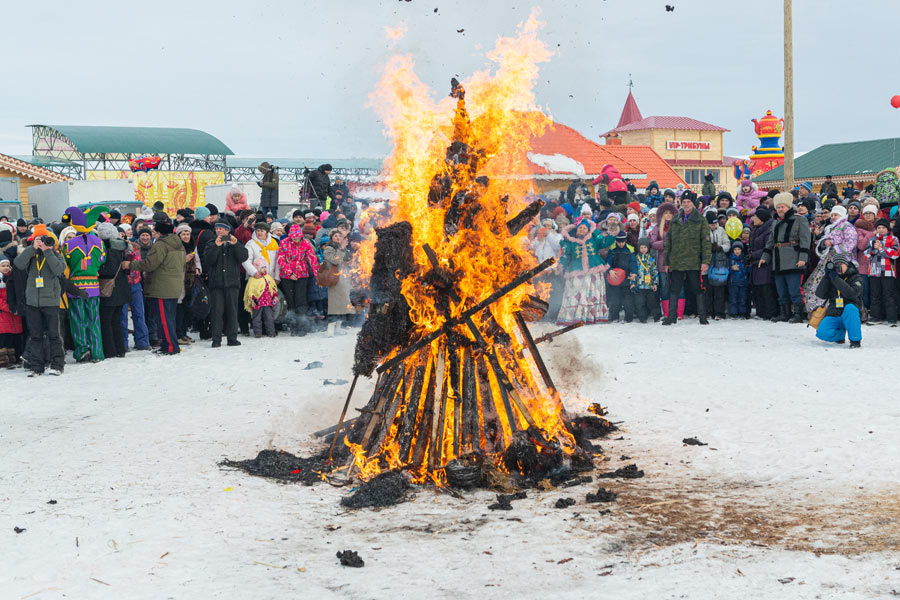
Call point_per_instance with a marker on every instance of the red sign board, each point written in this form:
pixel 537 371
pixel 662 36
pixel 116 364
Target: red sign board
pixel 695 146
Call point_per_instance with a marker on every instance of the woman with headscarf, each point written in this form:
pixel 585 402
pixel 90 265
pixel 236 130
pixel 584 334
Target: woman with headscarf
pixel 183 313
pixel 584 296
pixel 337 255
pixel 664 215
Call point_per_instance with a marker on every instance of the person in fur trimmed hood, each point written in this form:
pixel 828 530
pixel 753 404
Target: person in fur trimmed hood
pixel 584 296
pixel 236 200
pixel 749 196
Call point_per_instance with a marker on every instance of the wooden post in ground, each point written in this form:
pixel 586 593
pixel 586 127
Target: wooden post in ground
pixel 788 96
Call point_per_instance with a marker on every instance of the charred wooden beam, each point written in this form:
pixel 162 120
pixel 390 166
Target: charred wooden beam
pixel 449 325
pixel 493 433
pixel 405 435
pixel 423 430
pixel 455 399
pixel 440 403
pixel 549 336
pixel 379 401
pixel 337 428
pixel 538 359
pixel 522 219
pixel 333 428
pixel 397 394
pixel 469 407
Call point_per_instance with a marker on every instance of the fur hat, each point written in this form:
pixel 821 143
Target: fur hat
pixel 107 231
pixel 840 211
pixel 163 228
pixel 665 207
pixel 785 198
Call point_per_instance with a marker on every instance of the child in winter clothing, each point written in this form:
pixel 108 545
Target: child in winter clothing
pixel 716 280
pixel 645 283
pixel 618 297
pixel 10 324
pixel 738 281
pixel 260 299
pixel 882 251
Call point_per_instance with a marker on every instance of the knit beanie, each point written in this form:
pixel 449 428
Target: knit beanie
pixel 883 223
pixel 762 213
pixel 785 198
pixel 163 228
pixel 644 241
pixel 182 227
pixel 201 213
pixel 807 185
pixel 309 230
pixel 870 208
pixel 212 208
pixel 840 211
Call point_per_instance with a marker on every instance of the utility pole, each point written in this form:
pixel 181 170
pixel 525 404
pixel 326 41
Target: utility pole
pixel 788 96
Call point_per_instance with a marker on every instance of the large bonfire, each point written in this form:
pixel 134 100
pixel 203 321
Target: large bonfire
pixel 461 386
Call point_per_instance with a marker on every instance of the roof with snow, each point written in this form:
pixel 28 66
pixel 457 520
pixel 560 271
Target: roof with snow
pixel 27 169
pixel 562 152
pixel 853 159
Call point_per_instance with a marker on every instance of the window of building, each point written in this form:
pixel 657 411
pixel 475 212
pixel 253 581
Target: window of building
pixel 695 176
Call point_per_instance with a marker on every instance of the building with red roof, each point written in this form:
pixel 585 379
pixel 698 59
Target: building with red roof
pixel 561 154
pixel 692 148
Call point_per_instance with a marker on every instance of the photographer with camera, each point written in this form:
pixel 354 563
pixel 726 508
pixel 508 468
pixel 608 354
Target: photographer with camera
pixel 222 263
pixel 842 290
pixel 43 266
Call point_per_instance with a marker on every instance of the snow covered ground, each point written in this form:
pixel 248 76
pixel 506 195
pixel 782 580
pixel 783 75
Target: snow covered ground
pixel 796 495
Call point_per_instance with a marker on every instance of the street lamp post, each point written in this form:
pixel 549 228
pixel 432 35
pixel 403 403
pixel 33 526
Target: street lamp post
pixel 788 96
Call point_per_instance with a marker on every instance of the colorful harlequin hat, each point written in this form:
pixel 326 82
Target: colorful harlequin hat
pixel 83 222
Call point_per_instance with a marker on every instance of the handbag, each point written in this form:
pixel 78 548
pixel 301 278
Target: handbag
pixel 108 285
pixel 816 316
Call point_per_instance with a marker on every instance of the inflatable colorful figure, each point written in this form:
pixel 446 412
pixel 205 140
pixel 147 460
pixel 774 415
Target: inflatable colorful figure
pixel 144 163
pixel 84 254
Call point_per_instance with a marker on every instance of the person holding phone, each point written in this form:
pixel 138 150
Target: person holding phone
pixel 43 266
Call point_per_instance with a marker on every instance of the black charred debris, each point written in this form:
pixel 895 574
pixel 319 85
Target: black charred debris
pixel 287 468
pixel 385 489
pixel 349 558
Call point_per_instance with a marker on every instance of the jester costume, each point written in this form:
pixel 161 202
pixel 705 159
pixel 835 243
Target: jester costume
pixel 84 254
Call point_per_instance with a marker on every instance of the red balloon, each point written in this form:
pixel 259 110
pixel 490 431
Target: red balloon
pixel 616 276
pixel 895 101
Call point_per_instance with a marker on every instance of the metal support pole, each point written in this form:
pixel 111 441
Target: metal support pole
pixel 788 96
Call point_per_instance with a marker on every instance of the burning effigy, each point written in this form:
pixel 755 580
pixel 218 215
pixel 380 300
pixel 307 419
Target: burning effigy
pixel 463 397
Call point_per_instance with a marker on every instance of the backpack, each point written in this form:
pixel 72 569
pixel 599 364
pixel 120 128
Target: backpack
pixel 718 276
pixel 199 300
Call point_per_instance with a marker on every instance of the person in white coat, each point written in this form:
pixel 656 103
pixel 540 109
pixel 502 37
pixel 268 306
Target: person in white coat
pixel 262 245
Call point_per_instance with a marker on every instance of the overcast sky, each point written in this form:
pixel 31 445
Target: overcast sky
pixel 292 78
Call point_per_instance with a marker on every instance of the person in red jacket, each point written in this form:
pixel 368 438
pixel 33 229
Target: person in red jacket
pixel 10 324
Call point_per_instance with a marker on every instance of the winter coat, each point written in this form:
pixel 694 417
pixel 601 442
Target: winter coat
pixel 238 206
pixel 646 273
pixel 243 233
pixel 789 244
pixel 223 264
pixel 759 238
pixel 708 189
pixel 719 240
pixel 829 187
pixel 864 232
pixel 848 287
pixel 611 177
pixel 580 255
pixel 881 262
pixel 202 233
pixel 321 185
pixel 339 293
pixel 52 266
pixel 545 248
pixel 687 242
pixel 296 255
pixel 115 254
pixel 164 268
pixel 751 199
pixel 268 251
pixel 269 196
pixel 739 276
pixel 622 258
pixel 9 323
pixel 843 239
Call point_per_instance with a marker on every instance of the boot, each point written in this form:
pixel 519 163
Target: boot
pixel 855 344
pixel 701 310
pixel 4 358
pixel 665 308
pixel 784 314
pixel 799 314
pixel 669 320
pixel 681 308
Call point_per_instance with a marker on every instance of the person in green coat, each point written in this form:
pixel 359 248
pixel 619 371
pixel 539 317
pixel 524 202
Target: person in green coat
pixel 687 253
pixel 584 296
pixel 164 266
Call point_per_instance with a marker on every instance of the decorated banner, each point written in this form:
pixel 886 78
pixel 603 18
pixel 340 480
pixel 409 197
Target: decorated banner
pixel 175 189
